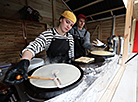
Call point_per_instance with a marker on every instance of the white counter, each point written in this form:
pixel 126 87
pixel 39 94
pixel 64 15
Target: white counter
pixel 93 86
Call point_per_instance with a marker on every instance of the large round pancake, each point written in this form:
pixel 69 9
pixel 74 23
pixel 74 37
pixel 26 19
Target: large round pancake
pixel 67 74
pixel 102 53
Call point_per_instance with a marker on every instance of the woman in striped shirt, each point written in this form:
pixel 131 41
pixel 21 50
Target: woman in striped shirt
pixel 56 41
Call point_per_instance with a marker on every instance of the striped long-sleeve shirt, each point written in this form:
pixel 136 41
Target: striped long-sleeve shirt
pixel 43 41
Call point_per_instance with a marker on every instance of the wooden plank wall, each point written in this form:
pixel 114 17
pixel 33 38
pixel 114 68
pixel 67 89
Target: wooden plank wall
pixel 33 30
pixel 135 10
pixel 10 8
pixel 12 40
pixel 120 26
pixel 91 27
pixel 104 28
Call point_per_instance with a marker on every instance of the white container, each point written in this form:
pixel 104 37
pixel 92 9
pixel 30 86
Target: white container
pixel 35 62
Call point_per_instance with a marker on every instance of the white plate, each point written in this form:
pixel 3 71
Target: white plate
pixel 67 74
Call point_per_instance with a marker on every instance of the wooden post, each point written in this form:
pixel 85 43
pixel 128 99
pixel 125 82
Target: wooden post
pixel 100 36
pixel 108 95
pixel 26 2
pixel 132 34
pixel 54 12
pixel 45 26
pixel 127 30
pixel 24 33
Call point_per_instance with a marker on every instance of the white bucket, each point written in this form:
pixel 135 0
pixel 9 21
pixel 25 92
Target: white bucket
pixel 35 62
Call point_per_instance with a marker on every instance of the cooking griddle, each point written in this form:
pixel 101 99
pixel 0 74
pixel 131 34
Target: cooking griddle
pixel 47 93
pixel 99 54
pixel 97 60
pixel 87 68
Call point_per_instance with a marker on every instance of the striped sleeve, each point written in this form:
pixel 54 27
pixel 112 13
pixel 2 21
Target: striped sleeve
pixel 71 44
pixel 42 42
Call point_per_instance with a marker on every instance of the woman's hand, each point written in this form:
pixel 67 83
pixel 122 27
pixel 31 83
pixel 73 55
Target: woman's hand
pixel 19 69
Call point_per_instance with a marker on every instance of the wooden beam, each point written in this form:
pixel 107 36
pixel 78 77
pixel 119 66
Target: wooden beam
pixel 95 29
pixel 66 5
pixel 105 18
pixel 91 17
pixel 67 0
pixel 106 11
pixel 111 13
pixel 127 30
pixel 88 5
pixel 108 95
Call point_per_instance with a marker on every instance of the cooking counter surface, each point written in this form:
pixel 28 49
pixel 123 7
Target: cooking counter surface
pixel 93 84
pixel 90 89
